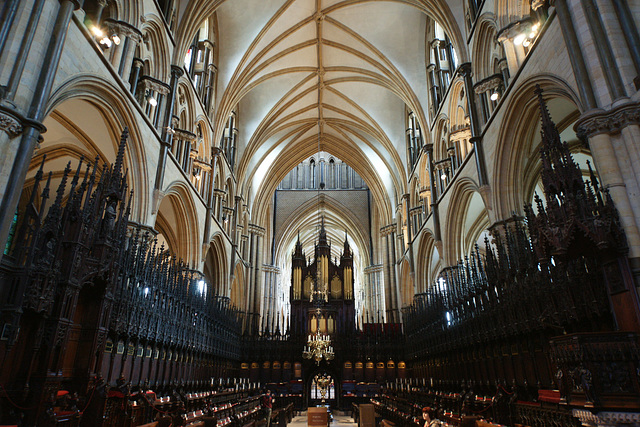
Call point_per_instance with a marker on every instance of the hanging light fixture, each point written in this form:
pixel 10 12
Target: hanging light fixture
pixel 319 345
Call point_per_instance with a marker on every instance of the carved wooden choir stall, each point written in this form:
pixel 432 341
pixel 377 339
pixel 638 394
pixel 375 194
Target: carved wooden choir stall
pixel 101 326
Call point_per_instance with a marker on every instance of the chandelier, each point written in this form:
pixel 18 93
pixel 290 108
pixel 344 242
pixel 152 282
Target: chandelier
pixel 318 347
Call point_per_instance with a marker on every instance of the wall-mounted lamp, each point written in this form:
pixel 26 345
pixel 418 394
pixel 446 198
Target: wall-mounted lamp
pixel 151 100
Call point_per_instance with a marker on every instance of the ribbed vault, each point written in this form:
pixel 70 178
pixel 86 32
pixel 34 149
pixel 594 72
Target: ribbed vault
pixel 321 75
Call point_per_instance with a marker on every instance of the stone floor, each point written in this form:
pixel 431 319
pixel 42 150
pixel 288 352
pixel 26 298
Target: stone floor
pixel 338 421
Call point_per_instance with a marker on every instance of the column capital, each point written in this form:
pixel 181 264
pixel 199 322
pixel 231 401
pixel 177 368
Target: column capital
pixel 490 83
pixel 176 71
pixel 257 230
pixel 465 69
pixel 10 123
pixel 184 135
pixel 122 28
pixel 216 151
pixel 427 148
pixel 598 121
pixel 388 229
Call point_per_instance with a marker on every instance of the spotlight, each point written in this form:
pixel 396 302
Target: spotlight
pixel 526 43
pixel 519 39
pixel 495 96
pixel 152 101
pixel 106 42
pixel 443 176
pixel 116 39
pixel 97 32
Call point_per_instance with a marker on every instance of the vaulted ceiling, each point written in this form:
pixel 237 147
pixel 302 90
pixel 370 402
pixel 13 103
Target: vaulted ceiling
pixel 330 75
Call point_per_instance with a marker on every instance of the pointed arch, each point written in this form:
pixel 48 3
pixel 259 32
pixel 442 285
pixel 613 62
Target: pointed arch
pixel 177 221
pixel 515 143
pixel 99 102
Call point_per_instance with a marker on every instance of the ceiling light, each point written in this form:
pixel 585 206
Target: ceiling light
pixel 494 96
pixel 116 39
pixel 519 39
pixel 105 41
pixel 526 43
pixel 532 35
pixel 443 176
pixel 97 32
pixel 152 101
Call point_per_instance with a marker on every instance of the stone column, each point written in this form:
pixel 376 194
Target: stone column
pixel 630 30
pixel 9 12
pixel 613 139
pixel 410 237
pixel 395 289
pixel 122 57
pixel 23 53
pixel 428 149
pixel 603 50
pixel 250 272
pixel 435 49
pixel 385 234
pixel 258 280
pixel 137 66
pixel 33 124
pixel 215 153
pixel 476 139
pixel 575 55
pixel 167 134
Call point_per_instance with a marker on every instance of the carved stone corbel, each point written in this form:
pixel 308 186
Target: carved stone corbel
pixel 611 122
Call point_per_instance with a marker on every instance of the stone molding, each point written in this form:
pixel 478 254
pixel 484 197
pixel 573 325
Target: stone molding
pixel 490 83
pixel 513 29
pixel 596 122
pixel 268 268
pixel 154 84
pixel 122 28
pixel 10 123
pixel 377 268
pixel 184 135
pixel 388 229
pixel 256 229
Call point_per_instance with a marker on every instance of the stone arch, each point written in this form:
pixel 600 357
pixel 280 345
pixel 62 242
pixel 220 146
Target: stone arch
pixel 516 141
pixel 440 138
pixel 127 11
pixel 185 107
pixel 485 47
pixel 407 289
pixel 91 99
pixel 155 48
pixel 237 293
pixel 177 221
pixel 215 264
pixel 437 10
pixel 426 257
pixel 508 11
pixel 466 220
